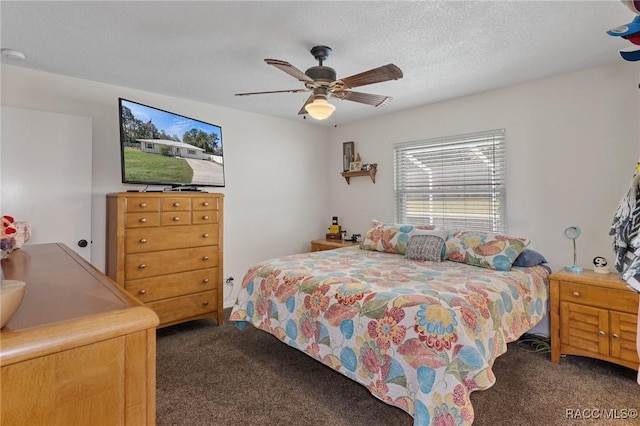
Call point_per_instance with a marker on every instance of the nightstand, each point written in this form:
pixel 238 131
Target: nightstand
pixel 320 245
pixel 593 315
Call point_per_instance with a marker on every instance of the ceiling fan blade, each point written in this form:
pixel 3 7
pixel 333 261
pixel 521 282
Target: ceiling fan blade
pixel 376 75
pixel 303 110
pixel 273 91
pixel 364 98
pixel 289 69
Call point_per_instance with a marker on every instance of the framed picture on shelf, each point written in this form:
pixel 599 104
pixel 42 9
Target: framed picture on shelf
pixel 355 166
pixel 347 155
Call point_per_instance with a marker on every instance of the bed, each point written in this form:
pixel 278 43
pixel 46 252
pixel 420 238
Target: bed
pixel 420 335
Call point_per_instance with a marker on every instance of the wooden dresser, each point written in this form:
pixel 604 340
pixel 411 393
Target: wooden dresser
pixel 593 315
pixel 79 350
pixel 166 250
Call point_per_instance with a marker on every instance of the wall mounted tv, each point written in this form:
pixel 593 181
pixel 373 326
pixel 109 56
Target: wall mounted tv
pixel 158 147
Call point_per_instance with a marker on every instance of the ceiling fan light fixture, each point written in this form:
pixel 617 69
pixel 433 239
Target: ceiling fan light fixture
pixel 320 109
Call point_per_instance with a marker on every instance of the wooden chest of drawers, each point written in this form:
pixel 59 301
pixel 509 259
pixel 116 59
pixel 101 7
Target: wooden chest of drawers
pixel 166 250
pixel 593 315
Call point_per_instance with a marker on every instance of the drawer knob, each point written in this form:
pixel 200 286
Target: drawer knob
pixel 143 240
pixel 143 205
pixel 205 258
pixel 143 291
pixel 602 333
pixel 205 303
pixel 176 219
pixel 176 204
pixel 143 220
pixel 206 204
pixel 576 294
pixel 205 235
pixel 615 336
pixel 206 281
pixel 205 217
pixel 143 266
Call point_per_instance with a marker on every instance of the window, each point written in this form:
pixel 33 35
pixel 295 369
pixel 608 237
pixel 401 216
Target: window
pixel 149 146
pixel 452 183
pixel 191 151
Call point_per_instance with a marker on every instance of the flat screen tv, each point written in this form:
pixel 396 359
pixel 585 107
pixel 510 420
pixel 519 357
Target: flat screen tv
pixel 158 147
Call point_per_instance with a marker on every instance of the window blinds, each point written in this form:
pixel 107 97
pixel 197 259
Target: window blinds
pixel 453 183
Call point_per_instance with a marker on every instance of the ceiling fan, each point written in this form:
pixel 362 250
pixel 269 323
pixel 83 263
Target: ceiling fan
pixel 321 81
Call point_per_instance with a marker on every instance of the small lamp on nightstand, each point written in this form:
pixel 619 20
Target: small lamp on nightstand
pixel 573 232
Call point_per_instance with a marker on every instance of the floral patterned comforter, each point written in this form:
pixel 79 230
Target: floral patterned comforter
pixel 419 335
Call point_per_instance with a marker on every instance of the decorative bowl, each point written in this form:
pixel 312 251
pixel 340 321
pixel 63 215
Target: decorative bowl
pixel 11 294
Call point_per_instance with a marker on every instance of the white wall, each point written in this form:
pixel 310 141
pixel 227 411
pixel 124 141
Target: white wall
pixel 276 191
pixel 572 144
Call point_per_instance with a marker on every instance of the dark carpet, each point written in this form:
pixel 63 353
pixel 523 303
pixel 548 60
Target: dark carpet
pixel 209 375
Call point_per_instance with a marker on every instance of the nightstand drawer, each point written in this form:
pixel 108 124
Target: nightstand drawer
pixel 601 297
pixel 321 245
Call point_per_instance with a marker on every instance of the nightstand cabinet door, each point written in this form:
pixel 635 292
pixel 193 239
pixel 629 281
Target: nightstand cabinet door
pixel 623 336
pixel 584 328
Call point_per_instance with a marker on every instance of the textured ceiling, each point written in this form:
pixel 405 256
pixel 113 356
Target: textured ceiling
pixel 209 50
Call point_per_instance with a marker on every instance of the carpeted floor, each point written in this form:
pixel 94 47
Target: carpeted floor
pixel 209 375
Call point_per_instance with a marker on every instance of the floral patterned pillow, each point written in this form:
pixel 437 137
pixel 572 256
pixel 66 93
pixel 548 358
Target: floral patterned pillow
pixel 390 237
pixel 487 250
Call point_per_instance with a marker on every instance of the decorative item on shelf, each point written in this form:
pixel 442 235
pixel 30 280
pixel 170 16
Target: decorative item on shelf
pixel 355 166
pixel 355 237
pixel 332 236
pixel 347 155
pixel 600 265
pixel 358 159
pixel 573 232
pixel 11 294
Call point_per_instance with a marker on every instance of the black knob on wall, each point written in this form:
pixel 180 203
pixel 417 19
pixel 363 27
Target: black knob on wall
pixel 82 243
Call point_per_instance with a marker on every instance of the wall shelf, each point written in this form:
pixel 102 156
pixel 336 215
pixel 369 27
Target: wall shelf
pixel 371 173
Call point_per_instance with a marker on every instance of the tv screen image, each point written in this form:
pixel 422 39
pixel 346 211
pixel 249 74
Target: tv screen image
pixel 158 147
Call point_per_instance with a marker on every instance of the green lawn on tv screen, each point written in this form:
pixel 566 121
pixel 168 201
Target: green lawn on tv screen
pixel 147 167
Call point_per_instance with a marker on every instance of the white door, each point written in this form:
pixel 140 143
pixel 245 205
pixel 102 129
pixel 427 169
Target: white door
pixel 46 175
